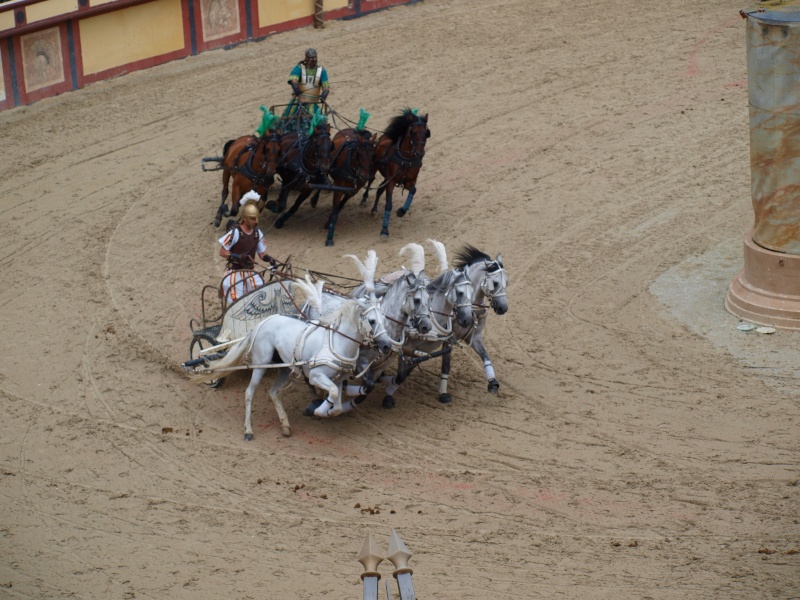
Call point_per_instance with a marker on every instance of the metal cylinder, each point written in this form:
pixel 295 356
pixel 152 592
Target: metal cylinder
pixel 773 72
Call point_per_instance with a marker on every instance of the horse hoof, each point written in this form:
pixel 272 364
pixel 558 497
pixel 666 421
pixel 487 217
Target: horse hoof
pixel 278 224
pixel 388 402
pixel 218 220
pixel 384 233
pixel 494 386
pixel 286 431
pixel 248 437
pixel 359 399
pixel 309 411
pixel 445 398
pixel 329 242
pixel 231 212
pixel 271 206
pixel 401 212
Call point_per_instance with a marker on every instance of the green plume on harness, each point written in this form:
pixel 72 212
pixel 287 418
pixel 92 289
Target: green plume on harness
pixel 316 120
pixel 414 111
pixel 362 120
pixel 267 121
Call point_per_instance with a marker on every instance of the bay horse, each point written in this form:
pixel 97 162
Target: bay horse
pixel 398 158
pixel 251 161
pixel 351 169
pixel 305 160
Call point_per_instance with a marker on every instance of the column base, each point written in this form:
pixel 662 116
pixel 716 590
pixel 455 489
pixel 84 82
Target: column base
pixel 767 290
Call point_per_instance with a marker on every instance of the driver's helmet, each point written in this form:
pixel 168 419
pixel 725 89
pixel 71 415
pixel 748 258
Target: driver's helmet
pixel 250 211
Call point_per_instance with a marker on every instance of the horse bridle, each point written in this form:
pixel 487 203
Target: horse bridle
pixel 350 173
pixel 487 282
pixel 366 328
pixel 317 154
pixel 275 137
pixel 415 160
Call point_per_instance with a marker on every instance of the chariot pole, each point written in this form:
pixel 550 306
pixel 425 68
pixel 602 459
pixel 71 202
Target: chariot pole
pixel 767 290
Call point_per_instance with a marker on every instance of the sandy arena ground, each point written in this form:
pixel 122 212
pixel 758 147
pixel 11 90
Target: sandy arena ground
pixel 598 146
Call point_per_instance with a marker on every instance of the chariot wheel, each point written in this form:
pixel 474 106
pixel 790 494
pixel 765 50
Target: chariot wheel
pixel 201 341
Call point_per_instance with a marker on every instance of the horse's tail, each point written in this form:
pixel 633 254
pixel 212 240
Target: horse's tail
pixel 227 145
pixel 234 357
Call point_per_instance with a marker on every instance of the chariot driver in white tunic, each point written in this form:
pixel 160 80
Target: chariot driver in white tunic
pixel 239 247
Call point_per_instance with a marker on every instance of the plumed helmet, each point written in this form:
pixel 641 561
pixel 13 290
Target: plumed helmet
pixel 250 210
pixel 311 53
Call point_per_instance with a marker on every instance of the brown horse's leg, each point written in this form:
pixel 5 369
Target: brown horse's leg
pixel 337 207
pixel 366 191
pixel 279 222
pixel 223 209
pixel 236 196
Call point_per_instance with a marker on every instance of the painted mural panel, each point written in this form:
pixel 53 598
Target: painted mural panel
pixel 220 18
pixel 42 61
pixel 272 12
pixel 136 33
pixel 50 8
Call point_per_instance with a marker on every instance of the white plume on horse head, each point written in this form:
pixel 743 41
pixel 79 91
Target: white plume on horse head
pixel 312 292
pixel 367 269
pixel 441 254
pixel 416 257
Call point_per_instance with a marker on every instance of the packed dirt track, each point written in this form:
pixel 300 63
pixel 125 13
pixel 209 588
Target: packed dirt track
pixel 595 146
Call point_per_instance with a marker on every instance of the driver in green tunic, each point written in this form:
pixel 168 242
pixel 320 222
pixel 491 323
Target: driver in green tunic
pixel 310 86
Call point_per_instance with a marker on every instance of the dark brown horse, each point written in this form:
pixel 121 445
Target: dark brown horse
pixel 252 162
pixel 351 169
pixel 305 160
pixel 398 157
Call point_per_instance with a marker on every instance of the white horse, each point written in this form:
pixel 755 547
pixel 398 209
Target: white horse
pixel 489 281
pixel 405 304
pixel 324 351
pixel 451 294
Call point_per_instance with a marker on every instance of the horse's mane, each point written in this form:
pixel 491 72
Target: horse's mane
pixel 349 311
pixel 469 255
pixel 416 257
pixel 399 125
pixel 443 281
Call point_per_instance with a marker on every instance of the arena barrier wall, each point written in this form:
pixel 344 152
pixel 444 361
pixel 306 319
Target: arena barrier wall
pixel 48 47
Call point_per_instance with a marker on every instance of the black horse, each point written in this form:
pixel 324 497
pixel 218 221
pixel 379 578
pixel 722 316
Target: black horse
pixel 351 169
pixel 305 160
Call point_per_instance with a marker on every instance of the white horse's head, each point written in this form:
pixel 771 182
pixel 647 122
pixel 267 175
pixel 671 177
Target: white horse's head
pixel 372 325
pixel 494 283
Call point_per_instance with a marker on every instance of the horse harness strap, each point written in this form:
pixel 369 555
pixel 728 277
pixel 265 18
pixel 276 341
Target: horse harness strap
pixel 247 168
pixel 326 356
pixel 347 173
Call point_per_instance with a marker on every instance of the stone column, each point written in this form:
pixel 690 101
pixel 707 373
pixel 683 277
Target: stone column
pixel 767 289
